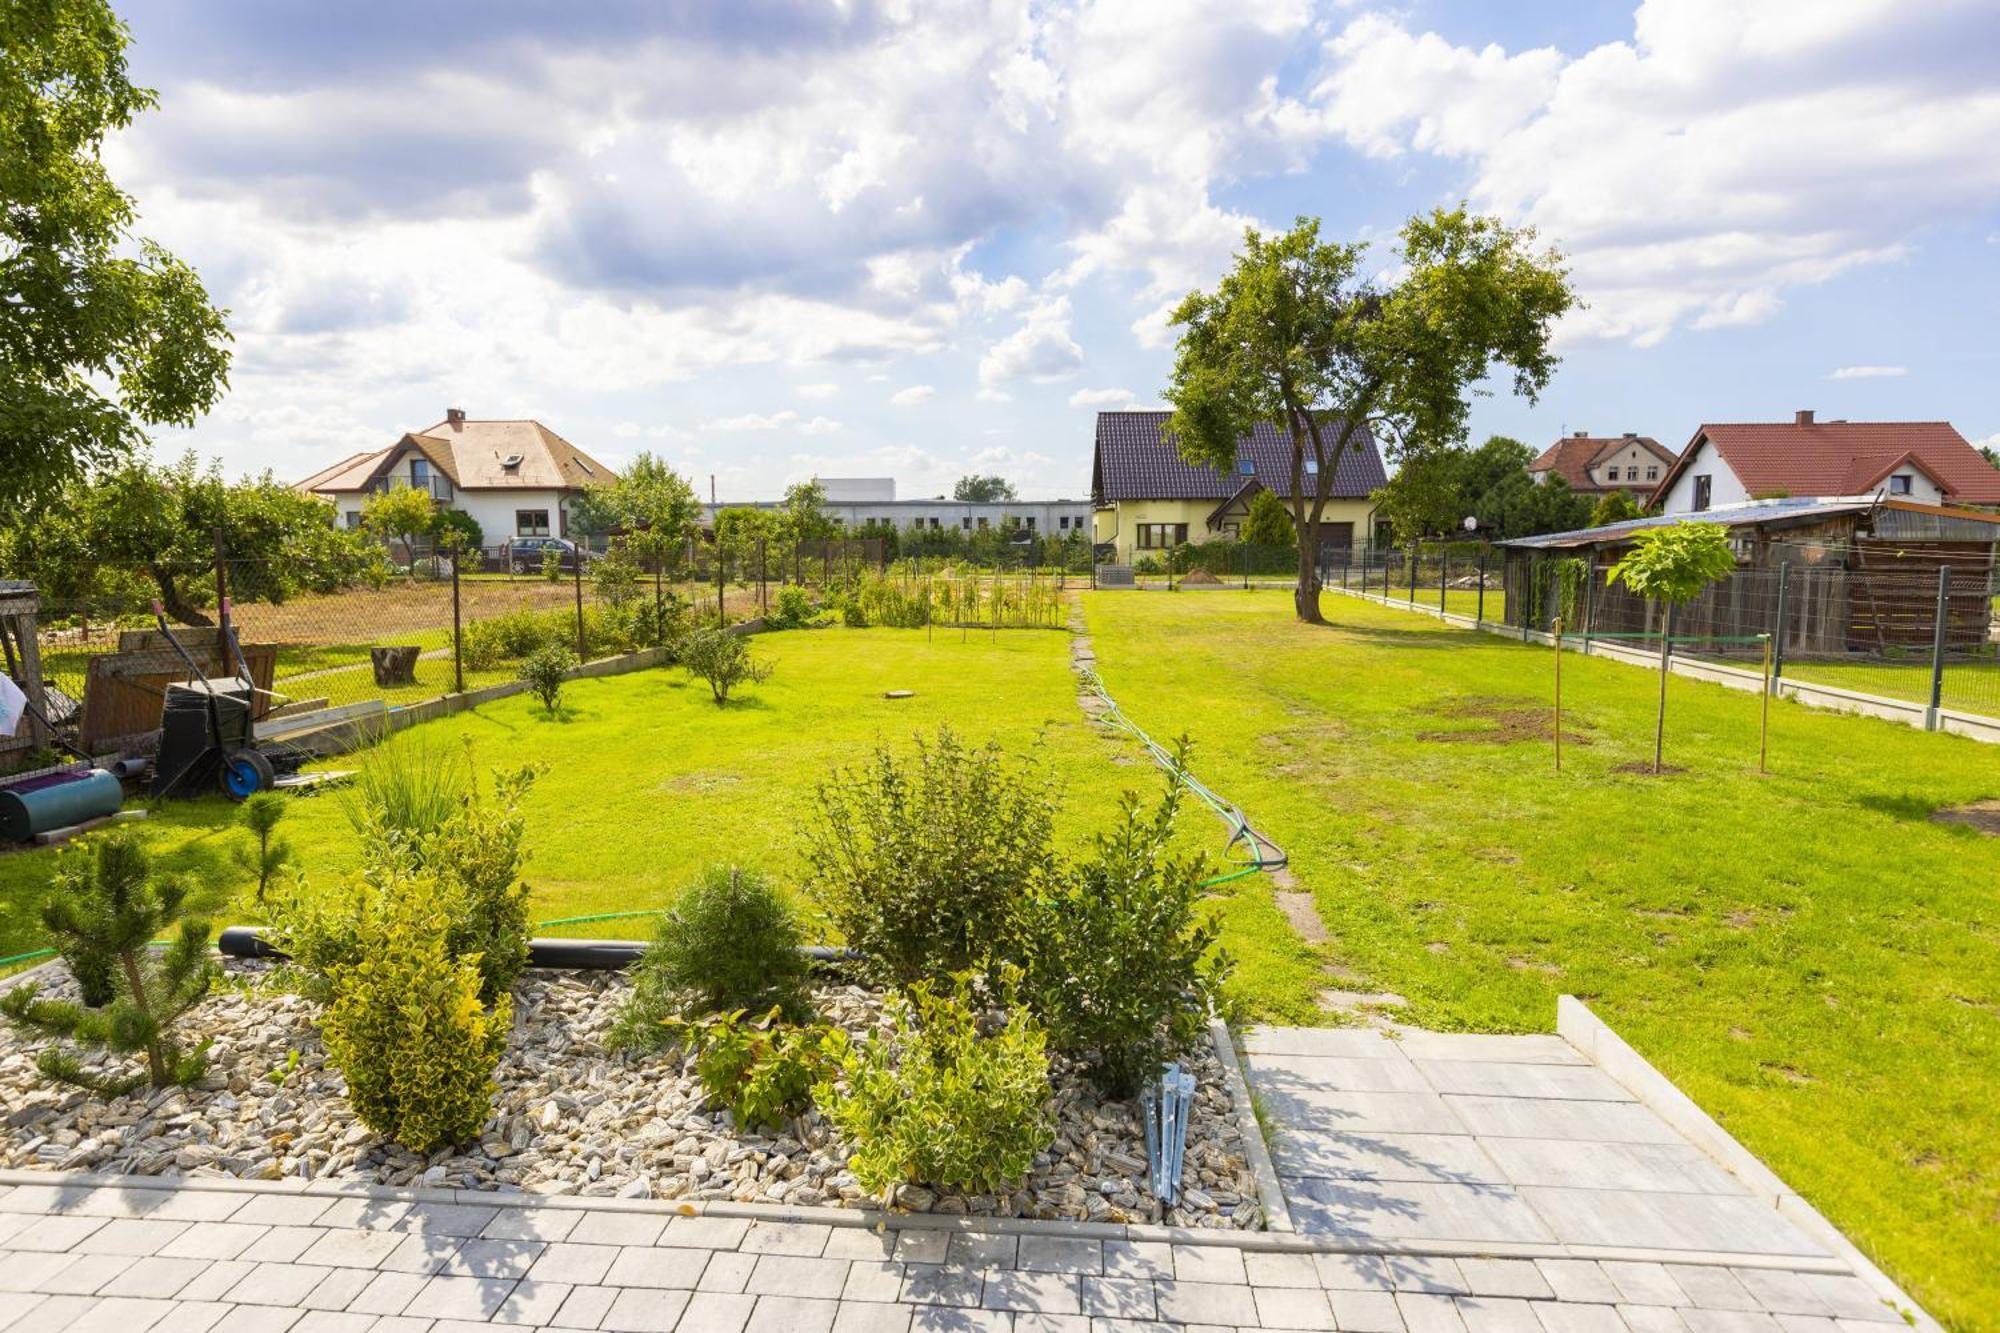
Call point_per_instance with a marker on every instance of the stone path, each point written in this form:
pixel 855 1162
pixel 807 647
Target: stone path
pixel 230 1257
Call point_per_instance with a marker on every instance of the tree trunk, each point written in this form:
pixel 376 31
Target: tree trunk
pixel 174 603
pixel 1305 599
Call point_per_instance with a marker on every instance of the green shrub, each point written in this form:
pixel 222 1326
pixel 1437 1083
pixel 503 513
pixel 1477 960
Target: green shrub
pixel 728 942
pixel 405 1026
pixel 104 915
pixel 932 1101
pixel 723 660
pixel 552 565
pixel 926 863
pixel 794 609
pixel 853 615
pixel 761 1069
pixel 1120 962
pixel 513 635
pixel 546 670
pixel 268 853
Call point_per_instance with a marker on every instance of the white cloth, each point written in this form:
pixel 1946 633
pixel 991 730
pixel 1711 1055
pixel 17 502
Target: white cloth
pixel 13 704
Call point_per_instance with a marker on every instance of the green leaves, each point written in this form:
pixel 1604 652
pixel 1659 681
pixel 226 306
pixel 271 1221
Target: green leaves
pixel 722 659
pixel 1675 563
pixel 77 308
pixel 761 1069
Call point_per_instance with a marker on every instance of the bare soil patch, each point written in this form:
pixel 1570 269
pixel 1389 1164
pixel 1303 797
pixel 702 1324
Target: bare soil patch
pixel 1504 722
pixel 1200 578
pixel 1981 815
pixel 1644 768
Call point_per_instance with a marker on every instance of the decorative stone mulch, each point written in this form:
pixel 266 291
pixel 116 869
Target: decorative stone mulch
pixel 573 1118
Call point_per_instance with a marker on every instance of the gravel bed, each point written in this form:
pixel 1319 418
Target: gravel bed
pixel 573 1118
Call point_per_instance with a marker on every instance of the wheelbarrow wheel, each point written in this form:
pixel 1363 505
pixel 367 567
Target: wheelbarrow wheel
pixel 245 773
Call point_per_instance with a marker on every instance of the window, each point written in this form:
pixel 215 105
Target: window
pixel 1611 474
pixel 1312 467
pixel 1031 525
pixel 1900 484
pixel 1246 467
pixel 1652 474
pixel 934 525
pixel 1704 488
pixel 1160 536
pixel 531 522
pixel 965 523
pixel 1063 523
pixel 353 517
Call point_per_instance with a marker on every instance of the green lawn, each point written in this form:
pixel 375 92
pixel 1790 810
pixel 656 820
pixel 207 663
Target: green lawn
pixel 1806 954
pixel 648 781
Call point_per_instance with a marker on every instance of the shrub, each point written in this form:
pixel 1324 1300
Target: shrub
pixel 925 863
pixel 761 1069
pixel 795 609
pixel 1120 963
pixel 552 565
pixel 545 670
pixel 932 1101
pixel 728 942
pixel 269 853
pixel 104 915
pixel 723 660
pixel 405 1026
pixel 471 857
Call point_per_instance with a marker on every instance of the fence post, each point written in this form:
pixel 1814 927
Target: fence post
pixel 659 601
pixel 1778 631
pixel 221 582
pixel 1244 551
pixel 763 598
pixel 457 627
pixel 1937 648
pixel 1444 576
pixel 1413 573
pixel 721 577
pixel 1589 598
pixel 582 648
pixel 1479 609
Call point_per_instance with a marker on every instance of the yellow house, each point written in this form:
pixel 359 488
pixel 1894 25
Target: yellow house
pixel 1146 499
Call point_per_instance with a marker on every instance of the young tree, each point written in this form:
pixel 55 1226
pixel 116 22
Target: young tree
pixel 403 512
pixel 1673 565
pixel 1297 335
pixel 976 489
pixel 1269 523
pixel 457 530
pixel 268 853
pixel 1615 507
pixel 101 333
pixel 723 660
pixel 806 519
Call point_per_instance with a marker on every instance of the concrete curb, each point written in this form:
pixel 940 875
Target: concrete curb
pixel 1581 1028
pixel 1830 698
pixel 1271 1194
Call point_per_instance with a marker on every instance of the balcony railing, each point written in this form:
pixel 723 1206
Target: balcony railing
pixel 438 488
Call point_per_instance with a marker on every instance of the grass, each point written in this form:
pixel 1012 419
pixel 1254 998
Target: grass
pixel 1806 954
pixel 648 781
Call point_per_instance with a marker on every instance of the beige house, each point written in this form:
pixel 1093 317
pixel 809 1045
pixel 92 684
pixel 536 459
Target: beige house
pixel 516 479
pixel 1601 464
pixel 1146 499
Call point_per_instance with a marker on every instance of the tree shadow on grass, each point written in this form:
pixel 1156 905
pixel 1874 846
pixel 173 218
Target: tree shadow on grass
pixel 1906 806
pixel 1426 639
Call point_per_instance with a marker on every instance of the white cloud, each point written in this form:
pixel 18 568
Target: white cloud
pixel 1102 398
pixel 1040 350
pixel 822 390
pixel 753 421
pixel 1724 154
pixel 820 426
pixel 1869 372
pixel 911 396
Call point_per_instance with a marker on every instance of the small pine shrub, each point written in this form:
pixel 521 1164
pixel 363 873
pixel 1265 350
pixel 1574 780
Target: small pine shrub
pixel 405 1025
pixel 268 853
pixel 926 863
pixel 729 942
pixel 108 908
pixel 546 670
pixel 932 1101
pixel 761 1069
pixel 723 660
pixel 1120 963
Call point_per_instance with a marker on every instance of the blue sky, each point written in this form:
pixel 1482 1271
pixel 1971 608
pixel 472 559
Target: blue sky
pixel 767 240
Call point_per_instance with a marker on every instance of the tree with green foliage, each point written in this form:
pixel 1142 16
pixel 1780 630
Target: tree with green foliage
pixel 804 510
pixel 1269 522
pixel 1673 565
pixel 976 489
pixel 656 506
pixel 143 529
pixel 403 513
pixel 1299 335
pixel 1521 506
pixel 101 333
pixel 108 907
pixel 1615 507
pixel 457 531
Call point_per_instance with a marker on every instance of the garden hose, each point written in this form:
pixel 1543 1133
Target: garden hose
pixel 1263 854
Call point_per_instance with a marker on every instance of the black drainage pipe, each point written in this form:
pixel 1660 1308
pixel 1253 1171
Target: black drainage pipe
pixel 608 955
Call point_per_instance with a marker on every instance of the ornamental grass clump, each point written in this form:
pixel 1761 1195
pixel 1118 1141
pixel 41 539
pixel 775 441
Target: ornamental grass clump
pixel 729 942
pixel 107 908
pixel 932 1101
pixel 926 861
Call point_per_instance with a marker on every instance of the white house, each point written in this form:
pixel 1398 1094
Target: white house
pixel 1727 463
pixel 515 478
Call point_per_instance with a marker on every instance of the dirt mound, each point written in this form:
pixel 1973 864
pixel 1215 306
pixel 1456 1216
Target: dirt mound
pixel 1200 578
pixel 1981 815
pixel 1507 722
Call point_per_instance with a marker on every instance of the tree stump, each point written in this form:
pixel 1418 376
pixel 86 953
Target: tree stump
pixel 396 665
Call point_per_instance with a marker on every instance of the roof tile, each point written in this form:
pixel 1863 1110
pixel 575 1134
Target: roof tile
pixel 1136 460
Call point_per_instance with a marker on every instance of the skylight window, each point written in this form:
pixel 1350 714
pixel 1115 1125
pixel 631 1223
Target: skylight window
pixel 1247 466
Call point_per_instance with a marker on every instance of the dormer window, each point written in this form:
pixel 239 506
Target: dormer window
pixel 1900 483
pixel 1246 467
pixel 1312 467
pixel 511 462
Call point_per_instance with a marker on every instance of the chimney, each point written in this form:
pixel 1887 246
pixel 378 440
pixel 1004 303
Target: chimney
pixel 1802 417
pixel 1631 434
pixel 1583 435
pixel 455 416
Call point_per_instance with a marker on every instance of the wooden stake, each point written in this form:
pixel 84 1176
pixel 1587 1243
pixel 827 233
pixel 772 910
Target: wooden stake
pixel 1559 692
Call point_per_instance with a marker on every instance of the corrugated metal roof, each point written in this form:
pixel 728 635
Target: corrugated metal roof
pixel 1136 461
pixel 1755 513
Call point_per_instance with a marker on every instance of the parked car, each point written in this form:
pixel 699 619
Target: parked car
pixel 524 555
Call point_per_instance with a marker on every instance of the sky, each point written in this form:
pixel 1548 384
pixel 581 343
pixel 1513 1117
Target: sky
pixel 768 240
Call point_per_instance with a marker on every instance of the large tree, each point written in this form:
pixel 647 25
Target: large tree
pixel 976 489
pixel 1298 335
pixel 101 332
pixel 654 506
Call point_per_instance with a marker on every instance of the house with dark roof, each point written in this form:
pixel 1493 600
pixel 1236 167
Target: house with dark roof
pixel 1146 499
pixel 1601 464
pixel 1727 463
pixel 515 478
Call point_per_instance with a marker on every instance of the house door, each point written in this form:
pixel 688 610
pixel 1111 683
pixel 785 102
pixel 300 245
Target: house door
pixel 1336 536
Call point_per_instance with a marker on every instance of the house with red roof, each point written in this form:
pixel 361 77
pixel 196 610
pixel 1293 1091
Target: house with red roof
pixel 1601 464
pixel 1727 463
